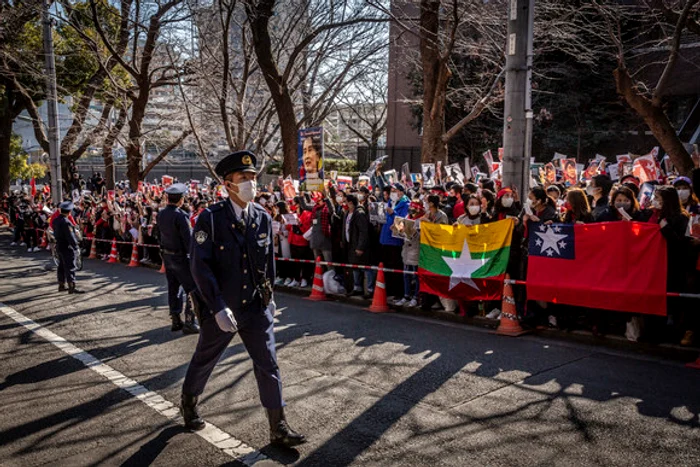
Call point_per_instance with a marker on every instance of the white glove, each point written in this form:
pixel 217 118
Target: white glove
pixel 226 321
pixel 272 307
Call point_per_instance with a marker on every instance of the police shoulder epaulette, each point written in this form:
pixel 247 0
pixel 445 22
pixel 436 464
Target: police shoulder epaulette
pixel 217 206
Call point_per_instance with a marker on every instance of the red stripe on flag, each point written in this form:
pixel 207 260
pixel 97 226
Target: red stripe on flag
pixel 488 288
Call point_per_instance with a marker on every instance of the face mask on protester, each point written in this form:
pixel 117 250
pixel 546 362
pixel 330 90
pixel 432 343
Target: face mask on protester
pixel 656 204
pixel 684 195
pixel 507 201
pixel 246 190
pixel 626 205
pixel 339 199
pixel 394 197
pixel 474 210
pixel 361 197
pixel 591 190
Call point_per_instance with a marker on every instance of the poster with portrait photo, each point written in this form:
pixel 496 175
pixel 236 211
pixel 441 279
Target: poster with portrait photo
pixel 428 171
pixel 402 228
pixel 391 176
pixel 310 151
pixel 454 173
pixel 568 168
pixel 377 212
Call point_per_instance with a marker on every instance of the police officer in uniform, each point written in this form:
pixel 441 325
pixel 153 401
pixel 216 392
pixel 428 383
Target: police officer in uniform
pixel 67 248
pixel 175 235
pixel 233 265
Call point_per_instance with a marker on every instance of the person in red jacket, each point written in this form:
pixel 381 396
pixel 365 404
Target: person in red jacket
pixel 456 190
pixel 298 245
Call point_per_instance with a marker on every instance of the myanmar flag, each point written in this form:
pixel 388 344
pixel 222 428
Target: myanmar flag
pixel 464 262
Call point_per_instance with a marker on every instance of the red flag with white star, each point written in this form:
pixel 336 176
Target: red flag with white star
pixel 617 266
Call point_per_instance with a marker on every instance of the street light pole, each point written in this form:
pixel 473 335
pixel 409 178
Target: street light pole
pixel 517 124
pixel 52 107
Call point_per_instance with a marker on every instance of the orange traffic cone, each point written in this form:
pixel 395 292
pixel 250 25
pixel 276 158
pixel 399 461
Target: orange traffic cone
pixel 113 255
pixel 162 267
pixel 509 325
pixel 93 249
pixel 134 263
pixel 379 304
pixel 317 292
pixel 43 243
pixel 695 364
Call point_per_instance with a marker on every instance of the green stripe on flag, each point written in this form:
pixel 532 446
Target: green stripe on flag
pixel 496 261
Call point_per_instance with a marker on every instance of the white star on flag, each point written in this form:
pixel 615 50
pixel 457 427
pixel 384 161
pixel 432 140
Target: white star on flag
pixel 463 267
pixel 550 240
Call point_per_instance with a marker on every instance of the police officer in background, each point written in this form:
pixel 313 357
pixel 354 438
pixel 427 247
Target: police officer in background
pixel 175 235
pixel 67 247
pixel 233 265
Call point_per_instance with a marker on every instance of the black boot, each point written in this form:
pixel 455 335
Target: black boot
pixel 177 322
pixel 188 410
pixel 62 287
pixel 72 289
pixel 191 326
pixel 280 432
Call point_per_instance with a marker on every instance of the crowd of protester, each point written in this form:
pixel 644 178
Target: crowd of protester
pixel 337 225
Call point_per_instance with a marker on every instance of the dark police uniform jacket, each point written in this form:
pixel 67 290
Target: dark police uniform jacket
pixel 229 261
pixel 64 234
pixel 175 232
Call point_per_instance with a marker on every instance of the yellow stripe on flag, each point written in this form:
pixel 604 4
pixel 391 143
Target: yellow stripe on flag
pixel 481 238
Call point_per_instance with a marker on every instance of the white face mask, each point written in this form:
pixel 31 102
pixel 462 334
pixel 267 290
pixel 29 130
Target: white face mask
pixel 507 202
pixel 684 195
pixel 246 191
pixel 656 204
pixel 591 190
pixel 394 197
pixel 339 199
pixel 474 210
pixel 361 197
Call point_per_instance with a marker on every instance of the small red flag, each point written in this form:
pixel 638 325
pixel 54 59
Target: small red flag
pixel 32 183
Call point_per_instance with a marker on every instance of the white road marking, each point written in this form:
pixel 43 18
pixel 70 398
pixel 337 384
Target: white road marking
pixel 212 434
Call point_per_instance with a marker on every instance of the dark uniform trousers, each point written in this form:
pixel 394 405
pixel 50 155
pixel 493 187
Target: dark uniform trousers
pixel 67 249
pixel 175 236
pixel 66 266
pixel 259 340
pixel 177 273
pixel 223 244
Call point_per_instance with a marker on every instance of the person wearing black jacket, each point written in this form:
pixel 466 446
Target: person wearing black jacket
pixel 599 190
pixel 681 258
pixel 67 248
pixel 355 240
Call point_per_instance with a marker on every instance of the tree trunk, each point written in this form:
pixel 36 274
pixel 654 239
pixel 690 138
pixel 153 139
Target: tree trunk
pixel 110 173
pixel 108 144
pixel 259 15
pixel 6 121
pixel 133 165
pixel 656 120
pixel 133 147
pixel 11 107
pixel 435 75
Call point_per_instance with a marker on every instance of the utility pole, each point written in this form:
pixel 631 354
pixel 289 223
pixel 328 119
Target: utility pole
pixel 52 106
pixel 517 124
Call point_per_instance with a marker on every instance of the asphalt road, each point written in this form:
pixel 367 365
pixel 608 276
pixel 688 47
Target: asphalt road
pixel 367 390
